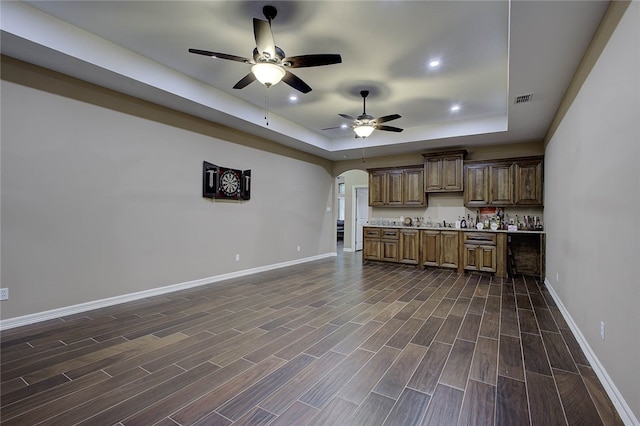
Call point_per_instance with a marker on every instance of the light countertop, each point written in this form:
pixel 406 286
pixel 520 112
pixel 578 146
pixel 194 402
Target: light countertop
pixel 442 228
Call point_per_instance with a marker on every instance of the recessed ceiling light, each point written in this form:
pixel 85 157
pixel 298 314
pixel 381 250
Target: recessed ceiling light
pixel 434 63
pixel 455 108
pixel 344 126
pixel 293 98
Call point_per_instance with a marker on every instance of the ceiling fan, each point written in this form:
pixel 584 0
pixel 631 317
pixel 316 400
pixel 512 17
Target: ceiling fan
pixel 270 64
pixel 364 124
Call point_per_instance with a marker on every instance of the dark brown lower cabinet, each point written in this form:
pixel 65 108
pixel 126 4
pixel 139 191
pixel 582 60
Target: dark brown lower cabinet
pixel 430 247
pixel 484 251
pixel 389 250
pixel 371 244
pixel 410 246
pixel 440 248
pixel 381 244
pixel 459 250
pixel 479 257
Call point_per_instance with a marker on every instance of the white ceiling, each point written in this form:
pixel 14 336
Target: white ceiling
pixel 490 52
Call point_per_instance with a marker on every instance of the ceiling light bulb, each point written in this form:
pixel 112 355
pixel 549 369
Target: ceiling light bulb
pixel 267 74
pixel 455 108
pixel 434 63
pixel 363 130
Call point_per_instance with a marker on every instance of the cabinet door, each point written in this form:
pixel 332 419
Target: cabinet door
pixel 452 173
pixel 501 184
pixel 476 186
pixel 443 173
pixel 371 249
pixel 430 244
pixel 480 258
pixel 389 250
pixel 394 187
pixel 529 183
pixel 433 174
pixel 409 246
pixel 471 258
pixel 377 188
pixel 487 257
pixel 450 249
pixel 413 187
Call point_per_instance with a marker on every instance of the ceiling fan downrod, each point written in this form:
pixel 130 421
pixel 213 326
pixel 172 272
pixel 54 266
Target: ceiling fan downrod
pixel 364 94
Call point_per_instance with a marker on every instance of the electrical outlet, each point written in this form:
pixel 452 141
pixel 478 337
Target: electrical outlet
pixel 602 330
pixel 298 248
pixel 237 257
pixel 557 277
pixel 4 293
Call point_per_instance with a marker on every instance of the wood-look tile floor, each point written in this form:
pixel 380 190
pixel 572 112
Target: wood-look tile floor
pixel 330 342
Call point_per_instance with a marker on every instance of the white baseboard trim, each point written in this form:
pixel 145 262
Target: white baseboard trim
pixel 101 303
pixel 617 399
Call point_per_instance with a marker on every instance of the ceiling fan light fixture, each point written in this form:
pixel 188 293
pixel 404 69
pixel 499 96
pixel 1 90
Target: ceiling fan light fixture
pixel 268 73
pixel 363 130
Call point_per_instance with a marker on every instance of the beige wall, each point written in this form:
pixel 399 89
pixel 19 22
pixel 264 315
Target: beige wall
pixel 592 206
pixel 488 152
pixel 102 196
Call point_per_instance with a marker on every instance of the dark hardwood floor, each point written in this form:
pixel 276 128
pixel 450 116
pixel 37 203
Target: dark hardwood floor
pixel 330 342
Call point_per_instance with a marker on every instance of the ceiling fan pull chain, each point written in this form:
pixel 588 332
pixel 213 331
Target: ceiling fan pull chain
pixel 266 105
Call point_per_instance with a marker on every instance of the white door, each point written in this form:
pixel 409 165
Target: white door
pixel 362 214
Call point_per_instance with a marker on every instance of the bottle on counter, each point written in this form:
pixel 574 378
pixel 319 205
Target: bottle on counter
pixel 538 223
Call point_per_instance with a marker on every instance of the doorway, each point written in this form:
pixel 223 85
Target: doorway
pixel 352 206
pixel 361 213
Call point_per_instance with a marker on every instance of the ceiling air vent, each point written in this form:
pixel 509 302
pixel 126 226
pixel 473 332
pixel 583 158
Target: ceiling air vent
pixel 523 99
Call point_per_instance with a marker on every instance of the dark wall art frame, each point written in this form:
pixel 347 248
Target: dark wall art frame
pixel 225 183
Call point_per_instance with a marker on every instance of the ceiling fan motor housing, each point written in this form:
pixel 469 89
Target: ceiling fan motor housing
pixel 258 57
pixel 270 12
pixel 364 118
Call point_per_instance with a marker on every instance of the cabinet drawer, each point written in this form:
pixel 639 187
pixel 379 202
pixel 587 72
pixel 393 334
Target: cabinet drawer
pixel 390 234
pixel 483 238
pixel 372 232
